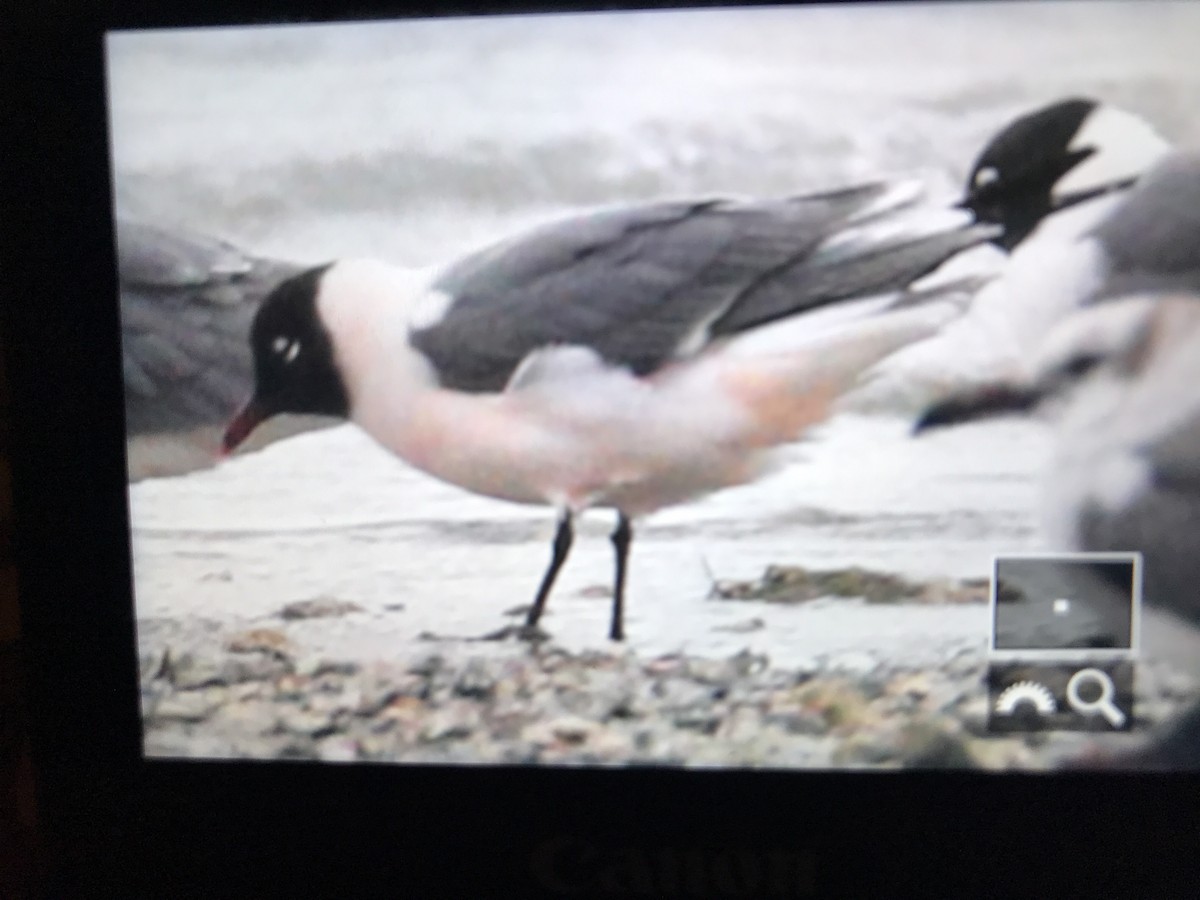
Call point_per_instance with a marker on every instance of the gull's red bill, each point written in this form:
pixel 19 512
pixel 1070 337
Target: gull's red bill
pixel 240 427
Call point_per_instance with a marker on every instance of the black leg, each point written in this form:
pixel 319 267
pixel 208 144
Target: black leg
pixel 562 546
pixel 622 537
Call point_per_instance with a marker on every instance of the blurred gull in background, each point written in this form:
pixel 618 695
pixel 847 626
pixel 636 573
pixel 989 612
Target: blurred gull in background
pixel 1046 180
pixel 1121 378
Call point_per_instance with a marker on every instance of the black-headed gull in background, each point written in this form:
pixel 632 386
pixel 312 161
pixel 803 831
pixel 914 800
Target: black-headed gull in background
pixel 1147 247
pixel 1120 378
pixel 187 301
pixel 1046 180
pixel 632 359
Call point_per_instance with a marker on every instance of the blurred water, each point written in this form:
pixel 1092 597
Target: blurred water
pixel 417 141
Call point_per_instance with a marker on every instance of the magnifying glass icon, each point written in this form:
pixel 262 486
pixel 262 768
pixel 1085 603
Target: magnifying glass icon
pixel 1103 704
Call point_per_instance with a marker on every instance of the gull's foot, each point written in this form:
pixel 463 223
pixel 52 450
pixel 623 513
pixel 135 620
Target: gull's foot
pixel 532 633
pixel 430 636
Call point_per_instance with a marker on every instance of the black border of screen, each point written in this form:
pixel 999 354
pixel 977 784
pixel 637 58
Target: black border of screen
pixel 122 826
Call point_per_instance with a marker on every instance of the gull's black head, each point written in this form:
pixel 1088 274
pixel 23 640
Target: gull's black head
pixel 1056 157
pixel 294 366
pixel 1012 183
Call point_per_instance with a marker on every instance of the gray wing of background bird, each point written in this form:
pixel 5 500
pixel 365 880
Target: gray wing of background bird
pixel 187 303
pixel 1151 239
pixel 1162 521
pixel 638 285
pixel 1157 424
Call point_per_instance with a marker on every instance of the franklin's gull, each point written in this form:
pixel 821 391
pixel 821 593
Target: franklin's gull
pixel 632 359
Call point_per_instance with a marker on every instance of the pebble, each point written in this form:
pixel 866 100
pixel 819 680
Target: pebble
pixel 572 730
pixel 403 710
pixel 427 665
pixel 676 693
pixel 914 684
pixel 297 750
pixel 452 723
pixel 315 666
pixel 801 667
pixel 796 721
pixel 945 696
pixel 328 703
pixel 665 664
pixel 742 724
pixel 854 663
pixel 307 666
pixel 703 721
pixel 188 674
pixel 150 666
pixel 292 687
pixel 338 749
pixel 377 695
pixel 260 640
pixel 476 681
pixel 188 706
pixel 611 745
pixel 611 694
pixel 719 672
pixel 746 664
pixel 257 717
pixel 305 722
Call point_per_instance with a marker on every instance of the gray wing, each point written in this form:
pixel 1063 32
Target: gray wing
pixel 1160 523
pixel 187 302
pixel 636 284
pixel 1163 519
pixel 1175 459
pixel 1151 238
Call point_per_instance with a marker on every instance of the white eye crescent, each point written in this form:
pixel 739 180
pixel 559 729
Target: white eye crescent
pixel 288 349
pixel 985 176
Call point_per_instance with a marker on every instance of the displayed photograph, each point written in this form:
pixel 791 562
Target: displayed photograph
pixel 662 387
